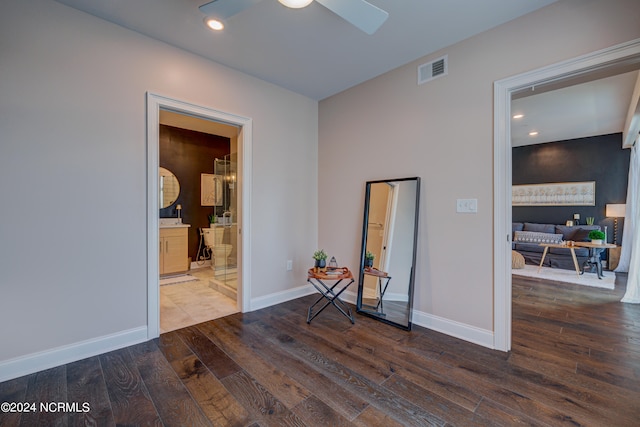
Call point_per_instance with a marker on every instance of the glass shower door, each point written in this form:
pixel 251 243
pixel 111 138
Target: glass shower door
pixel 226 233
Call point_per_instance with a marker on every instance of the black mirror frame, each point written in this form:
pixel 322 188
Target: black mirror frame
pixel 365 224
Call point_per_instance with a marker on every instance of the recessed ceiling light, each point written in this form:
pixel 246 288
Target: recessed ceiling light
pixel 214 24
pixel 296 4
pixel 533 133
pixel 518 116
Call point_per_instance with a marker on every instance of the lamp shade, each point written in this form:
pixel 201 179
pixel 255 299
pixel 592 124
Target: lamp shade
pixel 615 210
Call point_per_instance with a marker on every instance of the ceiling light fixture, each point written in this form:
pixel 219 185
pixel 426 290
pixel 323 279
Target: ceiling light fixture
pixel 533 133
pixel 213 23
pixel 518 116
pixel 296 4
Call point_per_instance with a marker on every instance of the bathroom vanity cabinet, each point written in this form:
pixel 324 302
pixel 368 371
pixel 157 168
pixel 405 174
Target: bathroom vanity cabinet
pixel 174 257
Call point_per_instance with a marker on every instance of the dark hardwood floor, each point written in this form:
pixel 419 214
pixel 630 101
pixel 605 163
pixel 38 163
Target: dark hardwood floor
pixel 575 361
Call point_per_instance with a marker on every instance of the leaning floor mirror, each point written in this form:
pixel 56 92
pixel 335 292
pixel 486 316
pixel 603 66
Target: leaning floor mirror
pixel 388 257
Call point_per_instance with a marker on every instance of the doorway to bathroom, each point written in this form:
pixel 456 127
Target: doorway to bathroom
pixel 198 276
pixel 214 190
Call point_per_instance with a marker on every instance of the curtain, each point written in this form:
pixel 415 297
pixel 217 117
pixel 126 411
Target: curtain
pixel 629 220
pixel 630 253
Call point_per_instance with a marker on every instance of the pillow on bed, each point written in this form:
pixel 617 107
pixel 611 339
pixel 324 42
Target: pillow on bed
pixel 536 237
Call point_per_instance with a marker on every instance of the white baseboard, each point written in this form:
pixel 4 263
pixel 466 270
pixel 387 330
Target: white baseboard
pixel 35 362
pixel 390 296
pixel 280 297
pixel 40 361
pixel 455 329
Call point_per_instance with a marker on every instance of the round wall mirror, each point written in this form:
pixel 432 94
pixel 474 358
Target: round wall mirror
pixel 169 188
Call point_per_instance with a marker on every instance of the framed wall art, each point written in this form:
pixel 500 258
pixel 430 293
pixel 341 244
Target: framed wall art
pixel 555 194
pixel 211 189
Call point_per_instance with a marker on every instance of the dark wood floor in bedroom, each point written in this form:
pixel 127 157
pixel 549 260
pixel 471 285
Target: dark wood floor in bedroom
pixel 575 361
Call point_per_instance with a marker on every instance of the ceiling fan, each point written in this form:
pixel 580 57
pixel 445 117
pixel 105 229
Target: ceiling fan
pixel 359 13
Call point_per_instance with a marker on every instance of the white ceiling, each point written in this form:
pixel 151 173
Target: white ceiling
pixel 597 107
pixel 311 51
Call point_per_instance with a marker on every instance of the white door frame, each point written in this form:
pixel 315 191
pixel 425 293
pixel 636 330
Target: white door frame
pixel 619 54
pixel 389 226
pixel 154 104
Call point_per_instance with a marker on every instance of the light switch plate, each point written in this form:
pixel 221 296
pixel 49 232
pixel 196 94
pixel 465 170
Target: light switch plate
pixel 289 265
pixel 467 205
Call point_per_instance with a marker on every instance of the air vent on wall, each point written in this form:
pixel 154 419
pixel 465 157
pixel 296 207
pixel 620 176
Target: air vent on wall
pixel 431 70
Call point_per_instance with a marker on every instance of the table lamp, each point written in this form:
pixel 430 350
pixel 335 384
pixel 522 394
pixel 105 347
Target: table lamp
pixel 615 211
pixel 576 218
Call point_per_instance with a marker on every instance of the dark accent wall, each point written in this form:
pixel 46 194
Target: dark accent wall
pixel 188 154
pixel 600 158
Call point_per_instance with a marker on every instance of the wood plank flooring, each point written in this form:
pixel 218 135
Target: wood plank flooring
pixel 575 361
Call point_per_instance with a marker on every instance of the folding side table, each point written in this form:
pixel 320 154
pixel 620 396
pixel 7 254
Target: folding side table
pixel 331 293
pixel 382 283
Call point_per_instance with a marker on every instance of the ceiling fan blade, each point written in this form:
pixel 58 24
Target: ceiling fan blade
pixel 223 9
pixel 360 13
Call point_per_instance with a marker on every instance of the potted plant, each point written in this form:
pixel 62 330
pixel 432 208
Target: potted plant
pixel 212 219
pixel 368 259
pixel 321 258
pixel 596 236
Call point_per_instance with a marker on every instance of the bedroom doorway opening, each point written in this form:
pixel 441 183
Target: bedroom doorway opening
pixel 613 60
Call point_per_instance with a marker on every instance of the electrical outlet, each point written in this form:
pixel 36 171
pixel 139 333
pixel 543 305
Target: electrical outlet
pixel 289 265
pixel 467 206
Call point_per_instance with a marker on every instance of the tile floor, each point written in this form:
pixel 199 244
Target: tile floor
pixel 186 304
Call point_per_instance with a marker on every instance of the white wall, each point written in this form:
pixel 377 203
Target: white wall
pixel 73 173
pixel 390 127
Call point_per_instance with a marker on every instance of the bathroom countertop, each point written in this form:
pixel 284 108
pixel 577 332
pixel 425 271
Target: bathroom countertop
pixel 175 225
pixel 172 223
